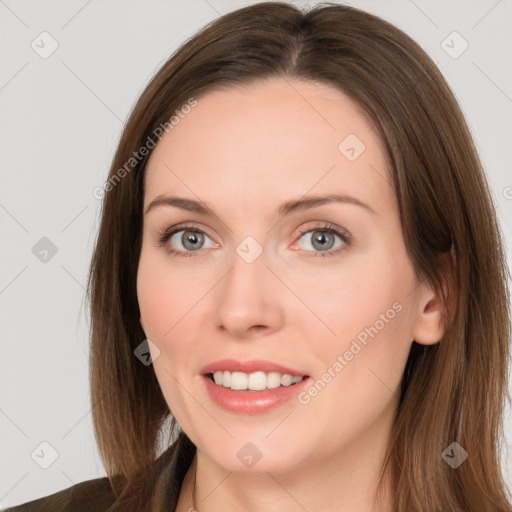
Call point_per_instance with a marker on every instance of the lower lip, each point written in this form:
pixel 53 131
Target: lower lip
pixel 252 402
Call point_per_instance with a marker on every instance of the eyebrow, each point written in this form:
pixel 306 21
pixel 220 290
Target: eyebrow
pixel 292 206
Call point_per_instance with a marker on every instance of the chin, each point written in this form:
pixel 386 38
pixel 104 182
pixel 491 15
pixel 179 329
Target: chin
pixel 254 456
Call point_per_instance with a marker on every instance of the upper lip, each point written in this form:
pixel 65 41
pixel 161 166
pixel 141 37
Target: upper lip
pixel 253 365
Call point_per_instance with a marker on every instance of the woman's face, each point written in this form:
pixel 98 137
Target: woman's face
pixel 261 280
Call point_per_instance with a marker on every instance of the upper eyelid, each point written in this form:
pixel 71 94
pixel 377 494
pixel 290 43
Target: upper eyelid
pixel 186 226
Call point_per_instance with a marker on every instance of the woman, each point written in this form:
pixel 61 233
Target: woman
pixel 299 265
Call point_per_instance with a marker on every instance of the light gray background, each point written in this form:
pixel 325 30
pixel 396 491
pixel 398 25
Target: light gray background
pixel 61 118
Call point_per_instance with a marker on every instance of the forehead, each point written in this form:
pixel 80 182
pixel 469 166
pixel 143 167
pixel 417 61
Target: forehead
pixel 277 138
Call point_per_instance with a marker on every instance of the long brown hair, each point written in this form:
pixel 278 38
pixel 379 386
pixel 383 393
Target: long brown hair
pixel 453 391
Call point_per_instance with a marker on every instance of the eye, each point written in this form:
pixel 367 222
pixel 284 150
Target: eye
pixel 191 238
pixel 322 239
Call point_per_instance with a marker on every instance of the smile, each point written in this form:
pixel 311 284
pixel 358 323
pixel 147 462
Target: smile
pixel 255 381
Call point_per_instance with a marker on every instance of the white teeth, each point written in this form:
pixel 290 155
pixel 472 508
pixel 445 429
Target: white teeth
pixel 273 380
pixel 238 380
pixel 255 381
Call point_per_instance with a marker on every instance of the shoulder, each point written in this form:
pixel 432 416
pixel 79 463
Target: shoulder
pixel 90 496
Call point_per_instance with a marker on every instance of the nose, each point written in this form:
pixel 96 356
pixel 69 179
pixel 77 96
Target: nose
pixel 249 299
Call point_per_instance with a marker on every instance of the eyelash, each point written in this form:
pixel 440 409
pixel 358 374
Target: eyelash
pixel 165 234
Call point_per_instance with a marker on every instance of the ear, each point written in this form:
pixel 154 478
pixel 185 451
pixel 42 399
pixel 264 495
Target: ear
pixel 436 305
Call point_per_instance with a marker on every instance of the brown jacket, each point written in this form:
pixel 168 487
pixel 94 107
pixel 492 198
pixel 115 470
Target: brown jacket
pixel 89 496
pixel 97 495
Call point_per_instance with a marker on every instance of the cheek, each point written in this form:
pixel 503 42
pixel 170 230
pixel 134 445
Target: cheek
pixel 155 299
pixel 363 313
pixel 164 294
pixel 345 300
pixel 360 368
pixel 165 297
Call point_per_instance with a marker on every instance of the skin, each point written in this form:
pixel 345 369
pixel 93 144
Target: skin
pixel 244 152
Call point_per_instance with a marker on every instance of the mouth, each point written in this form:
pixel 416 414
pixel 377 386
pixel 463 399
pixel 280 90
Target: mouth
pixel 255 381
pixel 253 393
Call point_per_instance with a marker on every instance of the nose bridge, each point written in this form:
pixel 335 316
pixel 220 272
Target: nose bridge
pixel 249 294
